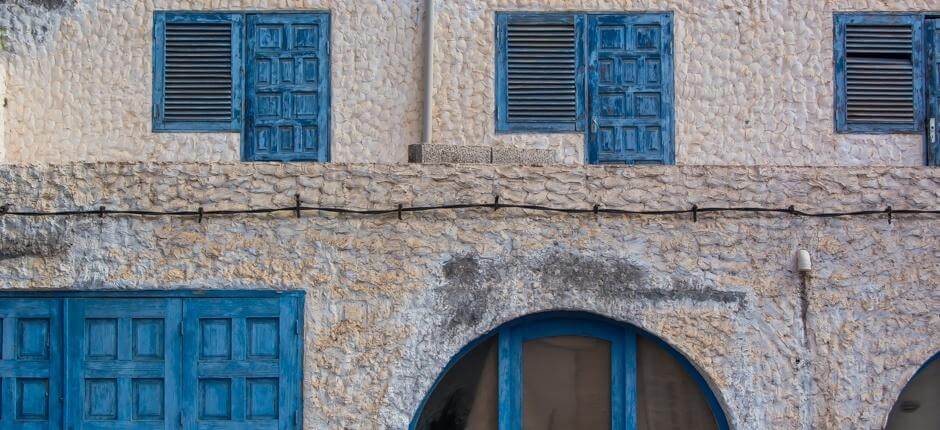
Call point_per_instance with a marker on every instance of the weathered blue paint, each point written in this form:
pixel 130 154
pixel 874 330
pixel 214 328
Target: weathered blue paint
pixel 122 363
pixel 241 360
pixel 288 88
pixel 630 88
pixel 31 364
pixel 122 354
pixel 503 124
pixel 160 19
pixel 622 336
pixel 138 294
pixel 840 21
pixel 932 74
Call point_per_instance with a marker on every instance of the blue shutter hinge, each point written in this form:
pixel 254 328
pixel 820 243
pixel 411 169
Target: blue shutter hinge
pixel 181 419
pixel 297 419
pixel 179 327
pixel 297 326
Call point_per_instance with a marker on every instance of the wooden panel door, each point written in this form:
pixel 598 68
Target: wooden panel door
pixel 241 365
pixel 31 364
pixel 123 364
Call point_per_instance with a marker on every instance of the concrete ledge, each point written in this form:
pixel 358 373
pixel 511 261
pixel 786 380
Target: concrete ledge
pixel 458 154
pixel 448 154
pixel 523 156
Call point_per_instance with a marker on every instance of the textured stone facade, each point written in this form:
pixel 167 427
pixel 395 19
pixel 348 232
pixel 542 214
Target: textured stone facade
pixel 389 301
pixel 753 81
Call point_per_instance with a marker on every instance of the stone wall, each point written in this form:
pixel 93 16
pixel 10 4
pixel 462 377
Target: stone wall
pixel 753 81
pixel 390 301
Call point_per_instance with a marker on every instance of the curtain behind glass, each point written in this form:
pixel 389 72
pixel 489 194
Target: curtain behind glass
pixel 667 396
pixel 566 384
pixel 466 397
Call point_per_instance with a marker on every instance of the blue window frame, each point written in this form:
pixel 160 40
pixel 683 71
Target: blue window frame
pixel 266 75
pixel 151 359
pixel 609 75
pixel 623 341
pixel 879 73
pixel 539 72
pixel 932 30
pixel 288 88
pixel 197 71
pixel 630 88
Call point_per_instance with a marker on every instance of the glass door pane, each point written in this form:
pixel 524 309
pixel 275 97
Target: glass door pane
pixel 667 396
pixel 566 383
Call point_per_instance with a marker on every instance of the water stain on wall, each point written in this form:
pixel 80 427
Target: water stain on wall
pixel 470 281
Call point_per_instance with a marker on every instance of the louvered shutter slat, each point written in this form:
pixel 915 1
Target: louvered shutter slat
pixel 541 72
pixel 879 78
pixel 198 72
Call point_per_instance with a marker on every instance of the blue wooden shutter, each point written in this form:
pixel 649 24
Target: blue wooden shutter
pixel 288 103
pixel 879 67
pixel 242 363
pixel 31 364
pixel 933 89
pixel 123 365
pixel 631 88
pixel 539 78
pixel 197 72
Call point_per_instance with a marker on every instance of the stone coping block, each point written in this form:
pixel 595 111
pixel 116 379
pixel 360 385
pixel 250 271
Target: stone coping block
pixel 478 154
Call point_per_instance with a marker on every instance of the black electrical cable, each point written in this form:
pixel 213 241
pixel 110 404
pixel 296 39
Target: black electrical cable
pixel 297 209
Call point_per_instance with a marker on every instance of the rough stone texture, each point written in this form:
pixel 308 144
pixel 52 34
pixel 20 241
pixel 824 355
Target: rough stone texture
pixel 753 81
pixel 442 154
pixel 452 154
pixel 389 301
pixel 80 81
pixel 510 155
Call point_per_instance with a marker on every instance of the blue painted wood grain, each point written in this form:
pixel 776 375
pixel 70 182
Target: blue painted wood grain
pixel 503 125
pixel 932 31
pixel 840 21
pixel 160 19
pixel 123 363
pixel 31 364
pixel 631 88
pixel 287 87
pixel 104 360
pixel 242 363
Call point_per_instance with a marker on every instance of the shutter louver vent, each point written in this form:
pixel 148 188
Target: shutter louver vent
pixel 198 72
pixel 541 72
pixel 879 74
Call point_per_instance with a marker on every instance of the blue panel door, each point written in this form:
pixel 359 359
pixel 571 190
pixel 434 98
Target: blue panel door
pixel 933 91
pixel 288 96
pixel 630 80
pixel 622 342
pixel 241 365
pixel 31 364
pixel 123 364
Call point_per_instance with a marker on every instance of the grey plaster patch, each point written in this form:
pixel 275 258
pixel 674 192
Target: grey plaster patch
pixel 52 4
pixel 28 238
pixel 508 155
pixel 466 289
pixel 470 281
pixel 449 154
pixel 27 24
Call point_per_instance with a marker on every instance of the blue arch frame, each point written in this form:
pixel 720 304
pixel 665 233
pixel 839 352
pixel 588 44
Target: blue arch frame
pixel 622 336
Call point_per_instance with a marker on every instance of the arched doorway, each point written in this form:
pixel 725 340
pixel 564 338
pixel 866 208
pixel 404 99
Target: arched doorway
pixel 565 370
pixel 918 406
